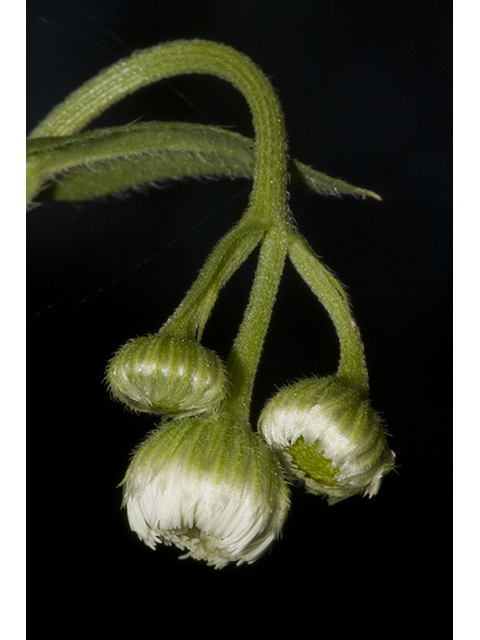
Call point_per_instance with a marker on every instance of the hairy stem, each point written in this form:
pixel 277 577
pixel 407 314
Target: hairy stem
pixel 182 57
pixel 329 291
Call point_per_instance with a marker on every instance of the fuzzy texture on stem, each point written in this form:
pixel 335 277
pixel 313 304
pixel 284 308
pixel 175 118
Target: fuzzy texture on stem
pixel 243 360
pixel 174 58
pixel 352 368
pixel 203 480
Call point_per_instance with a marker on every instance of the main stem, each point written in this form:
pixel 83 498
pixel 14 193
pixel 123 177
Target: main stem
pixel 245 355
pixel 268 208
pixel 182 57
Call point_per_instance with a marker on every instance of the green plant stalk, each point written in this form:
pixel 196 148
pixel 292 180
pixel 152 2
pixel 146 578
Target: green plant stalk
pixel 352 368
pixel 190 317
pixel 174 58
pixel 268 208
pixel 268 202
pixel 245 354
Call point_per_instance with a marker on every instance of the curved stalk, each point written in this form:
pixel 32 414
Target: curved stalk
pixel 352 368
pixel 182 57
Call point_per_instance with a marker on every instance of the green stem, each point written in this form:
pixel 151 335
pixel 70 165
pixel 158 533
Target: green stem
pixel 230 252
pixel 180 57
pixel 325 286
pixel 268 208
pixel 245 355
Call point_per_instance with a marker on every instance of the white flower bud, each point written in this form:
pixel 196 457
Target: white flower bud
pixel 208 485
pixel 327 437
pixel 165 374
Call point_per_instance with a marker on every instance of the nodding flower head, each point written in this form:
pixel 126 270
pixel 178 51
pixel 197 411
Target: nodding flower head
pixel 208 485
pixel 327 437
pixel 165 374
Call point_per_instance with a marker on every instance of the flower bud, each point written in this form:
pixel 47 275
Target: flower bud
pixel 328 437
pixel 165 374
pixel 208 485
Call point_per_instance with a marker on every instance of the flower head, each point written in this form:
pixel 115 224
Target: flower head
pixel 208 485
pixel 328 437
pixel 164 374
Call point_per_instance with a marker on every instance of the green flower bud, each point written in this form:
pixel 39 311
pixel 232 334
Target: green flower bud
pixel 327 437
pixel 165 374
pixel 208 485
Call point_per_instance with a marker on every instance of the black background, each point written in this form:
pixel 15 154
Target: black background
pixel 366 91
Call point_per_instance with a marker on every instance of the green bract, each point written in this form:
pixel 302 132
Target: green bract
pixel 203 480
